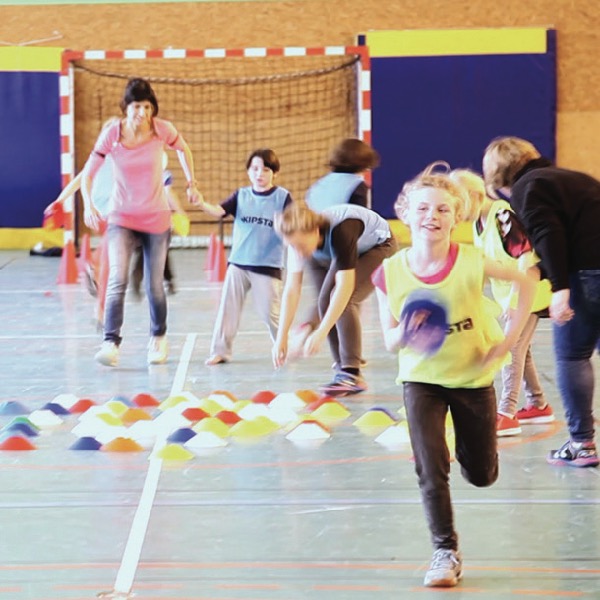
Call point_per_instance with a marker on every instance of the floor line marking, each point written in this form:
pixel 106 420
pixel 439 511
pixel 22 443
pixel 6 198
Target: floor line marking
pixel 139 526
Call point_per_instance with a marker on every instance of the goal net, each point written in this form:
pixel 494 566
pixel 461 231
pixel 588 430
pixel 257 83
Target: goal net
pixel 225 107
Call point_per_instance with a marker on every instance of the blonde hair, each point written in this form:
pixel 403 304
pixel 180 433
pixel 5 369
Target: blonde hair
pixel 504 158
pixel 297 217
pixel 430 177
pixel 474 185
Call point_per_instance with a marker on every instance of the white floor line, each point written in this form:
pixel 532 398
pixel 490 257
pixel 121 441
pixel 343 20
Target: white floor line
pixel 139 527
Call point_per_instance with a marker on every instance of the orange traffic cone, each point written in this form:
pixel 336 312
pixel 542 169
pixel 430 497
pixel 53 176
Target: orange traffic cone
pixel 68 272
pixel 85 252
pixel 217 273
pixel 210 255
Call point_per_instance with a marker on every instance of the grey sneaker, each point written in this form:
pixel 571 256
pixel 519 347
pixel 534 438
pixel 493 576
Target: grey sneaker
pixel 575 454
pixel 344 384
pixel 108 355
pixel 445 569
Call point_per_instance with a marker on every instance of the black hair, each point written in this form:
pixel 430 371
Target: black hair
pixel 138 90
pixel 269 158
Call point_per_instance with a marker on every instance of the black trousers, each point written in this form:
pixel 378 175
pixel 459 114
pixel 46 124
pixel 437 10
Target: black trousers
pixel 474 415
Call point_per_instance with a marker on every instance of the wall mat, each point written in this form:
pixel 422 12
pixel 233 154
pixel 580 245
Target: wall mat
pixel 444 94
pixel 30 150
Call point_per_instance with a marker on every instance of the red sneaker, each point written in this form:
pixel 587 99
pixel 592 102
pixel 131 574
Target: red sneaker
pixel 506 426
pixel 534 415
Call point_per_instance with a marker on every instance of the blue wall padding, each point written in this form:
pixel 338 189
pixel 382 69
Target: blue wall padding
pixel 30 151
pixel 450 107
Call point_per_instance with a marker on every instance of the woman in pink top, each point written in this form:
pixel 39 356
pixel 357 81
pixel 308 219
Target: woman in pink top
pixel 139 212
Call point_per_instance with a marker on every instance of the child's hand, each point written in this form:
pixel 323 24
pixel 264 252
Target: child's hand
pixel 496 353
pixel 415 322
pixel 194 196
pixel 50 208
pixel 279 353
pixel 92 218
pixel 313 342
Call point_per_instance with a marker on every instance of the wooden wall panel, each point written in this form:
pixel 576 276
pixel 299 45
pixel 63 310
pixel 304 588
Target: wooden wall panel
pixel 332 22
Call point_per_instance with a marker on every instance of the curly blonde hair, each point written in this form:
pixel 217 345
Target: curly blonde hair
pixel 433 177
pixel 474 185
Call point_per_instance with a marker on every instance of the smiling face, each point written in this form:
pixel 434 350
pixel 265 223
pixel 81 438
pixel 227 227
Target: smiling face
pixel 430 213
pixel 260 175
pixel 139 114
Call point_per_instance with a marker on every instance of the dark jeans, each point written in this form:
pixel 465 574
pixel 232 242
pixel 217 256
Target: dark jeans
pixel 574 344
pixel 474 416
pixel 345 339
pixel 121 244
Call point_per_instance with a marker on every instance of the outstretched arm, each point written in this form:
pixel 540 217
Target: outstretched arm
pixel 186 160
pixel 216 210
pixel 525 283
pixel 67 191
pixel 290 299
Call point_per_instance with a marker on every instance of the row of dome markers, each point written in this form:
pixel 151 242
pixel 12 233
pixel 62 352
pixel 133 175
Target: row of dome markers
pixel 184 426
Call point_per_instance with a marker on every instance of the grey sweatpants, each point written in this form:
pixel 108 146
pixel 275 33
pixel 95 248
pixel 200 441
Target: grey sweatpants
pixel 521 370
pixel 266 297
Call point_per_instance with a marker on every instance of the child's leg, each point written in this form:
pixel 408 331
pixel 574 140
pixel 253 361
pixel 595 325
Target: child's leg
pixel 534 393
pixel 137 270
pixel 474 416
pixel 426 409
pixel 233 294
pixel 169 275
pixel 266 297
pixel 512 374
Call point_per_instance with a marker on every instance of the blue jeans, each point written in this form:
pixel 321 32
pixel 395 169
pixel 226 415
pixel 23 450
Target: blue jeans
pixel 121 244
pixel 574 344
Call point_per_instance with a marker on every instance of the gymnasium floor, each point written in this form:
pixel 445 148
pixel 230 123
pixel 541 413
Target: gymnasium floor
pixel 268 519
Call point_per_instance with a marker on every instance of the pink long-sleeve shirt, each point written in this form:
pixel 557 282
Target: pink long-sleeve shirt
pixel 138 200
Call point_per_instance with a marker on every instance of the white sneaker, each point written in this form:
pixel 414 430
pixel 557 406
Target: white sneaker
pixel 108 355
pixel 158 350
pixel 445 569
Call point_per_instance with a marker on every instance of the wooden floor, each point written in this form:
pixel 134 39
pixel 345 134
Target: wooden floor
pixel 258 518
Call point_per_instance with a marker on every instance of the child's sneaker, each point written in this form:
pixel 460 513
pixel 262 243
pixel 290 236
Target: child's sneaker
pixel 344 384
pixel 158 350
pixel 108 355
pixel 445 569
pixel 506 426
pixel 215 359
pixel 575 454
pixel 535 415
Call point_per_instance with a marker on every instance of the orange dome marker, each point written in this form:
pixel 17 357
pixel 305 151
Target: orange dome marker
pixel 122 444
